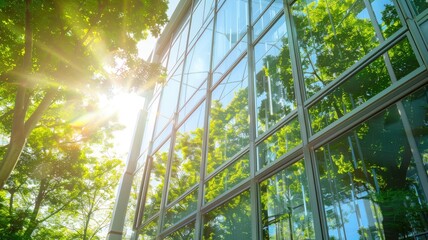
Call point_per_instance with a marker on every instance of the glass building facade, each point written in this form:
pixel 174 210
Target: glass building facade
pixel 304 119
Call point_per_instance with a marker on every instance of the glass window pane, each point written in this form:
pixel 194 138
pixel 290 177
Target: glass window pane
pixel 187 156
pixel 229 118
pixel 333 35
pixel 229 27
pixel 279 143
pixel 200 16
pixel 403 59
pixel 369 184
pixel 150 124
pixel 156 182
pixel 274 83
pixel 228 178
pixel 285 208
pixel 169 98
pixel 361 87
pixel 416 106
pixel 257 7
pixel 230 221
pixel 419 5
pixel 231 58
pixel 192 102
pixel 141 161
pixel 184 233
pixel 162 136
pixel 267 17
pixel 149 231
pixel 197 66
pixel 132 203
pixel 424 30
pixel 386 16
pixel 349 95
pixel 178 46
pixel 182 209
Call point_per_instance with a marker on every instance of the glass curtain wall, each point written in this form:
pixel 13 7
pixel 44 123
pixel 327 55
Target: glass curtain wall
pixel 296 119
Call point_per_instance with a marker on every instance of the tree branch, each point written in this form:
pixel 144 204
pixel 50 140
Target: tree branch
pixel 38 113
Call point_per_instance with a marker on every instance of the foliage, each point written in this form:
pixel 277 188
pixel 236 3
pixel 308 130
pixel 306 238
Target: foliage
pixel 56 56
pixel 59 175
pixel 366 175
pixel 55 52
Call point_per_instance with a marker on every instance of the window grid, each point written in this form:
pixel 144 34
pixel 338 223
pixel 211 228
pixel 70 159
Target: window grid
pixel 400 89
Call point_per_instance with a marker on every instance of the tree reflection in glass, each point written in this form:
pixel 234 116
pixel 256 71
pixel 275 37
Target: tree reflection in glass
pixel 228 178
pixel 362 86
pixel 187 156
pixel 286 212
pixel 183 233
pixel 274 83
pixel 279 143
pixel 257 7
pixel 182 209
pixel 196 69
pixel 370 187
pixel 230 221
pixel 156 182
pixel 419 5
pixel 333 35
pixel 149 231
pixel 229 27
pixel 416 106
pixel 229 119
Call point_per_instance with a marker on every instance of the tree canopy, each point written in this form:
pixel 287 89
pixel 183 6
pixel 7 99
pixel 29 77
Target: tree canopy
pixel 56 57
pixel 55 52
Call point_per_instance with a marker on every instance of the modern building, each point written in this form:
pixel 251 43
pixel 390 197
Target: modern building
pixel 304 119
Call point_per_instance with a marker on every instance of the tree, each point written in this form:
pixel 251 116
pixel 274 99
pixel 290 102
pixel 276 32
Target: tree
pixel 58 173
pixel 95 204
pixel 373 164
pixel 54 51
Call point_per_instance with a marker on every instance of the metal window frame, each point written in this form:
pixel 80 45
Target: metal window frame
pixel 392 95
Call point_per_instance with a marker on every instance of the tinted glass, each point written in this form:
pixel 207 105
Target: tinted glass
pixel 231 58
pixel 187 154
pixel 333 35
pixel 229 221
pixel 229 119
pixel 183 233
pixel 386 16
pixel 228 178
pixel 149 231
pixel 273 10
pixel 229 27
pixel 279 143
pixel 284 198
pixel 178 46
pixel 180 210
pixel 416 106
pixel 369 182
pixel 197 66
pixel 169 98
pixel 200 15
pixel 156 181
pixel 419 5
pixel 274 82
pixel 133 198
pixel 364 85
pixel 150 124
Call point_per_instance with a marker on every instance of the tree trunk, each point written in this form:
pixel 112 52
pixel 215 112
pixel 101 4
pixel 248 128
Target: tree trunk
pixel 394 211
pixel 17 139
pixel 32 225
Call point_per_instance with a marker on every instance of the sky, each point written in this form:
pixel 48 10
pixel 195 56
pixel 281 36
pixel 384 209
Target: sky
pixel 146 46
pixel 128 115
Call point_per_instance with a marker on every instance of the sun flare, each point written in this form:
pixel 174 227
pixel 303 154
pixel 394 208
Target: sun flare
pixel 126 106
